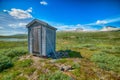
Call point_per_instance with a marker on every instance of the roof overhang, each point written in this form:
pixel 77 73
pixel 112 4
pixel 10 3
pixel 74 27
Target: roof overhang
pixel 41 22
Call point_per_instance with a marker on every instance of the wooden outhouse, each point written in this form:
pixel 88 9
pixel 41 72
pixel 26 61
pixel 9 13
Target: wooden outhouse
pixel 41 38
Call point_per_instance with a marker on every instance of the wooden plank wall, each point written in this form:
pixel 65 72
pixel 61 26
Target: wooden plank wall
pixel 35 41
pixel 50 41
pixel 45 39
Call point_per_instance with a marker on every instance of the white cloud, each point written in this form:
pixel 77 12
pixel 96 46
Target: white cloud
pixel 73 27
pixel 19 13
pixel 64 27
pixel 29 9
pixel 43 3
pixel 105 21
pixel 1 28
pixel 4 10
pixel 18 25
pixel 113 20
pixel 22 24
pixel 12 25
pixel 101 22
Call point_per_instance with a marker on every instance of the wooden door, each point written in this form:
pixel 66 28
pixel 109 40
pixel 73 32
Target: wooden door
pixel 36 34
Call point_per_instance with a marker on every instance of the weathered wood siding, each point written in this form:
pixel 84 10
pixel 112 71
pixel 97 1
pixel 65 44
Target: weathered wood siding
pixel 41 39
pixel 44 41
pixel 50 42
pixel 35 41
pixel 34 38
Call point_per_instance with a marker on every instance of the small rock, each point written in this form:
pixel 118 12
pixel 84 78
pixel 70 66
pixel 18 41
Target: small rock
pixel 53 60
pixel 66 68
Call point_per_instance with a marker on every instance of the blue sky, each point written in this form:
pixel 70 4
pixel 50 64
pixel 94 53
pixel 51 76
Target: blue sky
pixel 62 14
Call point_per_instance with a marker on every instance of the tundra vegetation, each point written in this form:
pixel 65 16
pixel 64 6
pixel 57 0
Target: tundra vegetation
pixel 92 56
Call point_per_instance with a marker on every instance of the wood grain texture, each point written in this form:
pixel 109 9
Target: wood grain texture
pixel 41 39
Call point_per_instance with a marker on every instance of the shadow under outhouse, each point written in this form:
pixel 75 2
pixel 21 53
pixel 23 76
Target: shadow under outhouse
pixel 41 38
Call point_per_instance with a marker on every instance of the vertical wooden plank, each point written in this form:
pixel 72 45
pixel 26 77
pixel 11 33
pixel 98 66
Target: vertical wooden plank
pixel 30 40
pixel 40 41
pixel 55 40
pixel 43 41
pixel 50 43
pixel 35 40
pixel 47 45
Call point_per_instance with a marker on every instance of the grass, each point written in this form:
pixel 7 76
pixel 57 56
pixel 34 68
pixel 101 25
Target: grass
pixel 112 50
pixel 107 61
pixel 24 63
pixel 90 38
pixel 6 45
pixel 5 62
pixel 92 55
pixel 54 76
pixel 30 71
pixel 8 56
pixel 11 76
pixel 14 52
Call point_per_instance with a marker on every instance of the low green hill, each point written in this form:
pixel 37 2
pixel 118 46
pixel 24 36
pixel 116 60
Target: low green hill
pixel 15 36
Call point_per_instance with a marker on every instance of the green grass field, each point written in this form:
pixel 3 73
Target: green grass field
pixel 93 55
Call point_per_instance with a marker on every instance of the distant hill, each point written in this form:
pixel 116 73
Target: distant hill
pixel 15 36
pixel 19 35
pixel 110 28
pixel 73 30
pixel 79 29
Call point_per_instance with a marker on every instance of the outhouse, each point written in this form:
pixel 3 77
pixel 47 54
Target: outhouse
pixel 41 38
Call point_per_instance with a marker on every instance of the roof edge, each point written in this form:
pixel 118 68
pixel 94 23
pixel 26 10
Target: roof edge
pixel 39 21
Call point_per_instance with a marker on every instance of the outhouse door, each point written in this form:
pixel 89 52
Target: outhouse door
pixel 36 41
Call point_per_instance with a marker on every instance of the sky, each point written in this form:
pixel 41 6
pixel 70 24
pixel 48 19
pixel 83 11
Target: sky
pixel 62 14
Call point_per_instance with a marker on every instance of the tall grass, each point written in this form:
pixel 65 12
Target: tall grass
pixel 7 56
pixel 107 61
pixel 5 62
pixel 90 37
pixel 6 45
pixel 14 52
pixel 54 76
